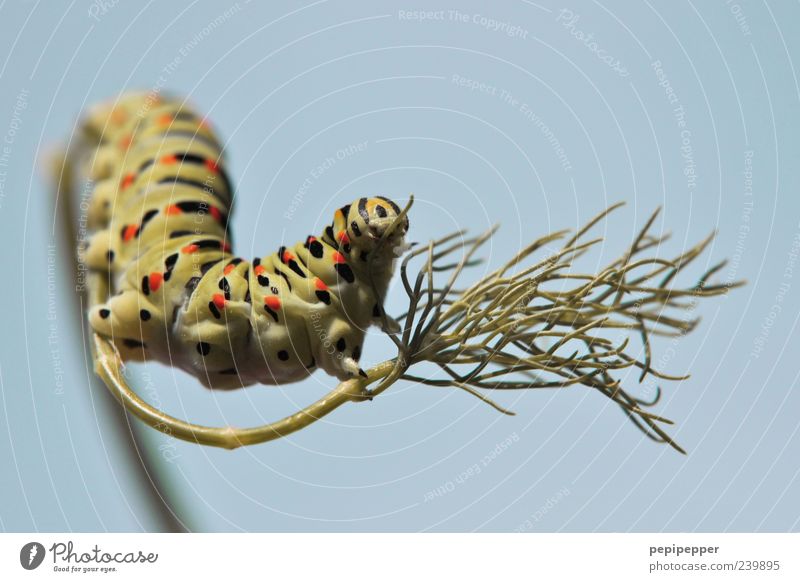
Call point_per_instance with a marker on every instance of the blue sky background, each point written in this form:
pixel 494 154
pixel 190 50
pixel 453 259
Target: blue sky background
pixel 532 115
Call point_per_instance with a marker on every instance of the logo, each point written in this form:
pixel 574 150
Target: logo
pixel 31 555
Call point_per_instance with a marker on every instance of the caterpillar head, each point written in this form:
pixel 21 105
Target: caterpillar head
pixel 369 224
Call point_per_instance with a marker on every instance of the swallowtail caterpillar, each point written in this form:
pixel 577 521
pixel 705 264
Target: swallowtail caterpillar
pixel 159 213
pixel 165 285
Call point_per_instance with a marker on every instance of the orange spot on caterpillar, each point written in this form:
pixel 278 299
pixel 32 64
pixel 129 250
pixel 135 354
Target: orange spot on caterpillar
pixel 287 256
pixel 215 213
pixel 219 300
pixel 226 247
pixel 320 284
pixel 128 180
pixel 259 269
pixel 172 209
pixel 165 119
pixel 272 302
pixel 212 165
pixel 228 268
pixel 125 142
pixel 343 238
pixel 130 232
pixel 155 281
pixel 338 257
pixel 170 159
pixel 189 249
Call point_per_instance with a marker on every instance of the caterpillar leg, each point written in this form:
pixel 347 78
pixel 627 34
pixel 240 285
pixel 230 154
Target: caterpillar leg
pixel 99 254
pixel 105 163
pixel 102 203
pixel 339 347
pixel 390 325
pixel 129 321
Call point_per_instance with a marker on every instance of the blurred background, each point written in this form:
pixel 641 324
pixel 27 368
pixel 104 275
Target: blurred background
pixel 532 115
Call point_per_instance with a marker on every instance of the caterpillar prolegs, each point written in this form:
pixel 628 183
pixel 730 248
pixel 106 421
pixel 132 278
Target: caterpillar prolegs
pixel 159 212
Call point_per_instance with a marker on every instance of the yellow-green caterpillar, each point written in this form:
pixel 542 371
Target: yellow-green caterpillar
pixel 159 213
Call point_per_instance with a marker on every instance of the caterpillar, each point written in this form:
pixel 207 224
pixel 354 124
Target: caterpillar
pixel 158 215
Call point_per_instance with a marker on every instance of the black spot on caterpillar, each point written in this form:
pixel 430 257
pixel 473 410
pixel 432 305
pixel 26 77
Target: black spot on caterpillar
pixel 316 249
pixel 212 307
pixel 324 296
pixel 225 288
pixel 133 343
pixel 271 312
pixel 285 277
pixel 206 267
pixel 345 272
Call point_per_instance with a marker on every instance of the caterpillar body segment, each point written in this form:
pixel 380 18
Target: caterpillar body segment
pixel 159 211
